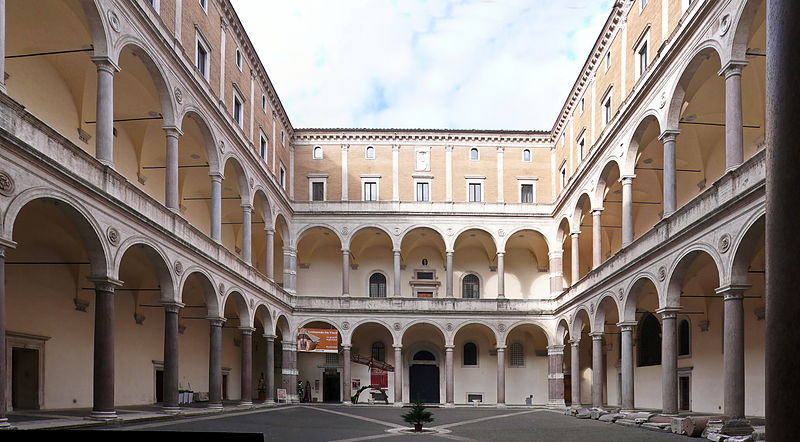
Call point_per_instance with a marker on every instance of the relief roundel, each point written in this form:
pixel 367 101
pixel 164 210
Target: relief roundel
pixel 113 236
pixel 6 184
pixel 724 243
pixel 662 273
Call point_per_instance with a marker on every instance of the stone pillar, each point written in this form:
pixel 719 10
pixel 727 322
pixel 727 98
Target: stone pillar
pixel 289 268
pixel 397 287
pixel 247 233
pixel 247 367
pixel 104 129
pixel 215 363
pixel 398 375
pixel 448 174
pixel 627 209
pixel 669 361
pixel 346 378
pixel 556 272
pixel 669 138
pixel 345 174
pixel 103 408
pixel 216 207
pixel 627 402
pixel 270 369
pixel 576 257
pixel 289 370
pixel 3 362
pixel 598 370
pixel 2 85
pixel 345 272
pixel 171 310
pixel 733 352
pixel 575 369
pixel 501 376
pixel 171 193
pixel 448 364
pixel 782 241
pixel 449 282
pixel 501 275
pixel 597 239
pixel 555 376
pixel 395 172
pixel 734 136
pixel 270 266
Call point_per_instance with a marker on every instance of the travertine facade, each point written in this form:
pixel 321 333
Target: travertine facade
pixel 152 171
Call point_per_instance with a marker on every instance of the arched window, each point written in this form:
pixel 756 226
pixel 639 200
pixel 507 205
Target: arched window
pixel 473 154
pixel 471 287
pixel 317 153
pixel 516 356
pixel 370 153
pixel 378 351
pixel 526 155
pixel 424 356
pixel 649 344
pixel 470 354
pixel 377 285
pixel 684 338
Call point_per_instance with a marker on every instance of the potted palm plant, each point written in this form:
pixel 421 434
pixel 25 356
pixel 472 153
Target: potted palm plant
pixel 418 416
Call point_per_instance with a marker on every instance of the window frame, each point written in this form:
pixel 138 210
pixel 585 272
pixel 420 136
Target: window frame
pixel 282 176
pixel 264 103
pixel 643 42
pixel 317 179
pixel 416 193
pixel 385 284
pixel 366 152
pixel 477 154
pixel 681 320
pixel 530 155
pixel 608 60
pixel 237 96
pixel 263 145
pixel 527 181
pixel 473 179
pixel 563 175
pixel 580 143
pixel 204 5
pixel 314 153
pixel 201 43
pixel 521 363
pixel 238 59
pixel 464 282
pixel 366 179
pixel 477 363
pixel 607 106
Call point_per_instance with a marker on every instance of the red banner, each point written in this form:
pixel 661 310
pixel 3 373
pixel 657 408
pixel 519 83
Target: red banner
pixel 315 340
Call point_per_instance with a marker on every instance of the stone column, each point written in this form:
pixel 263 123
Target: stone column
pixel 449 282
pixel 171 310
pixel 345 174
pixel 216 207
pixel 556 272
pixel 104 129
pixel 3 362
pixel 289 270
pixel 598 370
pixel 247 233
pixel 345 272
pixel 733 353
pixel 289 370
pixel 576 257
pixel 270 369
pixel 270 266
pixel 669 361
pixel 501 275
pixel 627 402
pixel 555 376
pixel 448 367
pixel 669 138
pixel 247 366
pixel 103 408
pixel 575 369
pixel 627 209
pixel 171 193
pixel 2 86
pixel 346 378
pixel 782 241
pixel 215 363
pixel 734 136
pixel 397 287
pixel 448 174
pixel 597 239
pixel 395 172
pixel 501 376
pixel 398 375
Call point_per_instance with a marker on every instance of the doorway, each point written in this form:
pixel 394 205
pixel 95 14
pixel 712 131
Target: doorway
pixel 684 392
pixel 159 386
pixel 331 387
pixel 25 378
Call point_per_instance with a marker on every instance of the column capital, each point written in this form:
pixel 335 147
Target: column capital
pixel 269 338
pixel 6 244
pixel 574 342
pixel 500 150
pixel 397 347
pixel 668 312
pixel 449 253
pixel 345 251
pixel 733 67
pixel 732 291
pixel 216 177
pixel 597 211
pixel 247 330
pixel 596 336
pixel 289 346
pixel 555 350
pixel 345 147
pixel 270 230
pixel 555 254
pixel 627 179
pixel 172 306
pixel 247 207
pixel 172 131
pixel 346 347
pixel 501 253
pixel 105 63
pixel 669 135
pixel 575 234
pixel 449 347
pixel 395 147
pixel 104 283
pixel 626 325
pixel 501 348
pixel 216 321
pixel 396 251
pixel 448 148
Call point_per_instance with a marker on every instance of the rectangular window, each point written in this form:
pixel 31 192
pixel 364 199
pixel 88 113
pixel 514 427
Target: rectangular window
pixel 608 59
pixel 239 59
pixel 607 108
pixel 581 147
pixel 283 138
pixel 526 193
pixel 474 397
pixel 263 147
pixel 423 191
pixel 283 177
pixel 204 5
pixel 563 177
pixel 264 103
pixel 370 191
pixel 641 56
pixel 202 59
pixel 317 191
pixel 156 4
pixel 238 110
pixel 582 106
pixel 474 192
pixel 644 3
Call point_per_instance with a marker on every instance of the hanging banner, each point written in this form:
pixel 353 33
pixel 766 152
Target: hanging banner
pixel 315 340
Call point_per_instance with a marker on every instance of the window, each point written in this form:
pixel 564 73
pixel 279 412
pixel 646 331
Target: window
pixel 684 338
pixel 470 354
pixel 473 154
pixel 474 397
pixel 581 146
pixel 370 191
pixel 424 355
pixel 317 153
pixel 422 191
pixel 516 356
pixel 156 4
pixel 563 176
pixel 264 103
pixel 641 54
pixel 470 287
pixel 608 60
pixel 204 5
pixel 369 153
pixel 283 137
pixel 238 109
pixel 474 190
pixel 264 148
pixel 318 191
pixel 526 155
pixel 202 58
pixel 582 105
pixel 643 4
pixel 649 342
pixel 283 177
pixel 607 108
pixel 526 193
pixel 377 286
pixel 238 59
pixel 379 351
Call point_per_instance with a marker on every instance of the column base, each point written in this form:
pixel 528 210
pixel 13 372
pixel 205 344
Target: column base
pixel 5 425
pixel 398 404
pixel 103 416
pixel 556 404
pixel 449 405
pixel 211 406
pixel 347 403
pixel 269 402
pixel 171 410
pixel 246 403
pixel 501 405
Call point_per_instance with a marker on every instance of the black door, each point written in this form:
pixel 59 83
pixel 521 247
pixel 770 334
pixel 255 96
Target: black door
pixel 331 387
pixel 25 378
pixel 424 383
pixel 159 386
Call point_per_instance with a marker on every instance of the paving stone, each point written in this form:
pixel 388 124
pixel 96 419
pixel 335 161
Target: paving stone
pixel 610 417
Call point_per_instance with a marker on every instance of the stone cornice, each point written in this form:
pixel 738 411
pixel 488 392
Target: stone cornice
pixel 422 135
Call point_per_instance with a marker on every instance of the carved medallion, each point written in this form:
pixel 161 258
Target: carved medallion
pixel 113 20
pixel 662 100
pixel 178 95
pixel 501 327
pixel 621 294
pixel 345 230
pixel 221 288
pixel 397 326
pixel 501 232
pixel 178 268
pixel 724 24
pixel 724 243
pixel 662 273
pixel 113 236
pixel 396 231
pixel 6 184
pixel 345 325
pixel 449 231
pixel 449 327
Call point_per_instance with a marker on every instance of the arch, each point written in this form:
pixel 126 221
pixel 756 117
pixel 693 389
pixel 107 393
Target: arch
pixel 154 64
pixel 377 322
pixel 745 18
pixel 506 238
pixel 303 230
pixel 198 116
pixel 209 291
pixel 436 229
pixel 262 314
pixel 368 226
pixel 562 332
pixel 681 265
pixel 745 246
pixel 279 223
pixel 702 53
pixel 582 317
pixel 244 187
pixel 463 230
pixel 240 304
pixel 602 180
pixel 411 324
pixel 631 157
pixel 282 325
pixel 85 224
pixel 550 338
pixel 563 230
pixel 260 198
pixel 632 293
pixel 157 258
pixel 607 300
pixel 577 212
pixel 97 28
pixel 476 322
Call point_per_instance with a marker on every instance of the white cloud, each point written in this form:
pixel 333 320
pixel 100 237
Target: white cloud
pixel 477 64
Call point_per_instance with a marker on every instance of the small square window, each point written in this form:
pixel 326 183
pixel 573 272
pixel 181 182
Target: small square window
pixel 317 153
pixel 474 155
pixel 474 191
pixel 369 153
pixel 526 155
pixel 526 193
pixel 239 59
pixel 370 191
pixel 422 191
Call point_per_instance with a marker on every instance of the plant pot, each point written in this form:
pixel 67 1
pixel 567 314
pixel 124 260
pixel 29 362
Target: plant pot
pixel 417 427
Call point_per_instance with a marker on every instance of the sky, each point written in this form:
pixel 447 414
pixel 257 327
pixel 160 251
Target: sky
pixel 439 64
